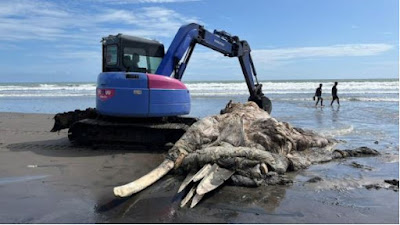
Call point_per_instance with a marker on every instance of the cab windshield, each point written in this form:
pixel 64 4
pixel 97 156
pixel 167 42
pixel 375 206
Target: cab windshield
pixel 136 60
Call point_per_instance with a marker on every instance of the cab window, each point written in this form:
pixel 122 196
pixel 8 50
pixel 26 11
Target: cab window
pixel 111 55
pixel 137 60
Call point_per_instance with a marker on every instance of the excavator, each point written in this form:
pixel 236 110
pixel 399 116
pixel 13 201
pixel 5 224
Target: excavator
pixel 140 98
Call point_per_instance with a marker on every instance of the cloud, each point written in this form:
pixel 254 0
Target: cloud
pixel 287 54
pixel 47 21
pixel 18 7
pixel 79 55
pixel 149 22
pixel 203 62
pixel 321 51
pixel 123 2
pixel 7 46
pixel 66 35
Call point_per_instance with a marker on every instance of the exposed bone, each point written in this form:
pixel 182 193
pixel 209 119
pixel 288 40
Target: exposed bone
pixel 186 181
pixel 212 180
pixel 144 181
pixel 203 172
pixel 179 160
pixel 195 177
pixel 215 178
pixel 188 196
pixel 196 200
pixel 263 168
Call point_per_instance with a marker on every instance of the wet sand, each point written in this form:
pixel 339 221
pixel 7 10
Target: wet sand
pixel 43 179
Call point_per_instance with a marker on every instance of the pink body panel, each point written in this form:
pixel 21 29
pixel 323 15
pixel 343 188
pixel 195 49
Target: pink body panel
pixel 163 82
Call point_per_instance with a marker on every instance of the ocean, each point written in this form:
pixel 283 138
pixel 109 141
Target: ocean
pixel 57 97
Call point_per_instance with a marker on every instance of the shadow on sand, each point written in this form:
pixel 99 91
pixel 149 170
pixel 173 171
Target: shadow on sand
pixel 63 148
pixel 161 203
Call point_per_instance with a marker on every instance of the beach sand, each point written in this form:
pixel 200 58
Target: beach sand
pixel 44 179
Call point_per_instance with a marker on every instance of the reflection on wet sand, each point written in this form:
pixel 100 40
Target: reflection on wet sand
pixel 319 116
pixel 335 113
pixel 160 203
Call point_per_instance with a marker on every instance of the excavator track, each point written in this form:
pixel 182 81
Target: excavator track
pixel 143 132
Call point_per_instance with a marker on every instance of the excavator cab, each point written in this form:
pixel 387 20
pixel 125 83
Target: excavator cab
pixel 131 54
pixel 128 85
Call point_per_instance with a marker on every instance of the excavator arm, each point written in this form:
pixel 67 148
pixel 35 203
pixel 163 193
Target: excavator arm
pixel 178 55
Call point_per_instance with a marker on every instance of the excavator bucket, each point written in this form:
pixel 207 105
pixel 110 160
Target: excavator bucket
pixel 66 119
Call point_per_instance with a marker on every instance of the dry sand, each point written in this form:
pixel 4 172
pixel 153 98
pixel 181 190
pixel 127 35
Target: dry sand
pixel 43 179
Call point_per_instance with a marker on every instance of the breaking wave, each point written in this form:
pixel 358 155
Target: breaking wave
pixel 48 87
pixel 338 131
pixel 374 91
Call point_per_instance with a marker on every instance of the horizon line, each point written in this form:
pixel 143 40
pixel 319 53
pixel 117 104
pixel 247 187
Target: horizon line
pixel 189 81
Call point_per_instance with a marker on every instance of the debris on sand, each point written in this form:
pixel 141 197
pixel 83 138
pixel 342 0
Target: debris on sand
pixel 314 180
pixel 387 184
pixel 360 166
pixel 393 182
pixel 373 186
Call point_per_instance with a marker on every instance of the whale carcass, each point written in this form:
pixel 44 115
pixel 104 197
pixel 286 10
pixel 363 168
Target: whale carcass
pixel 245 145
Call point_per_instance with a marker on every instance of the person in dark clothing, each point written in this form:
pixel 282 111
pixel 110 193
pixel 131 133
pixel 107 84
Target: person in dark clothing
pixel 131 62
pixel 334 94
pixel 135 60
pixel 318 94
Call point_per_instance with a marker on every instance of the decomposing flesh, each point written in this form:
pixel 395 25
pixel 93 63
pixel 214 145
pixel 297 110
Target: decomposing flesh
pixel 244 144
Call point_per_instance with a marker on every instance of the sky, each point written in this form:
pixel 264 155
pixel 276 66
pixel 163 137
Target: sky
pixel 59 41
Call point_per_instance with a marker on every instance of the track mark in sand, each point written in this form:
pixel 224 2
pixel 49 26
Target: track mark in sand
pixel 68 146
pixel 7 180
pixel 31 132
pixel 54 165
pixel 22 146
pixel 252 210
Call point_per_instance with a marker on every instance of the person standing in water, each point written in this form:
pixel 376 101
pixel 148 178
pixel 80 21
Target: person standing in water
pixel 334 94
pixel 318 94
